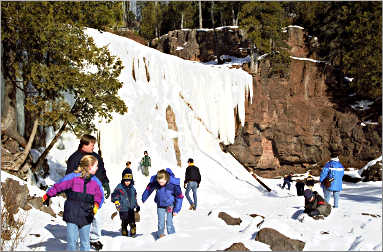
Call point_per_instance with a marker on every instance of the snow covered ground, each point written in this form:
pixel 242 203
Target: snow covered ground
pixel 203 99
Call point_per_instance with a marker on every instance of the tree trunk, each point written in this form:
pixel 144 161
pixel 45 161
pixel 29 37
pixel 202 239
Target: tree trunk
pixel 233 14
pixel 200 14
pixel 157 19
pixel 212 13
pixel 182 20
pixel 125 9
pixel 36 166
pixel 9 117
pixel 253 60
pixel 21 159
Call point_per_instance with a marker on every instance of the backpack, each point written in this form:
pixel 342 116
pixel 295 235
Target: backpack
pixel 327 181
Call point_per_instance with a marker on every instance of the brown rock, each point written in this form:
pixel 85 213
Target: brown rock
pixel 373 173
pixel 237 247
pixel 278 241
pixel 203 45
pixel 228 219
pixel 14 195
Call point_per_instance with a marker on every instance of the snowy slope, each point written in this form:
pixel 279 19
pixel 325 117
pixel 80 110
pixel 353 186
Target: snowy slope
pixel 203 99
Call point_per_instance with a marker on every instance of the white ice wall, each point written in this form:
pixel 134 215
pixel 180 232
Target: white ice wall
pixel 212 91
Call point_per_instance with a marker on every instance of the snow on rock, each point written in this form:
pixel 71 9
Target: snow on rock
pixel 308 59
pixel 179 48
pixel 362 105
pixel 371 163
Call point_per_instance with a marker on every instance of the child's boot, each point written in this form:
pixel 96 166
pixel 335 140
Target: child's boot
pixel 124 228
pixel 132 229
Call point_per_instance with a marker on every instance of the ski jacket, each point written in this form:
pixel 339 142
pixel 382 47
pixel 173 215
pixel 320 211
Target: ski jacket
pixel 287 178
pixel 74 161
pixel 145 161
pixel 192 174
pixel 335 170
pixel 82 195
pixel 167 195
pixel 126 195
pixel 318 203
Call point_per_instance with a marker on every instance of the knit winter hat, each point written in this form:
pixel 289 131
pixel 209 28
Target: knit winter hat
pixel 127 174
pixel 307 194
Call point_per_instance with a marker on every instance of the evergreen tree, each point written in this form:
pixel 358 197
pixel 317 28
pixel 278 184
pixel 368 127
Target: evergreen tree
pixel 263 22
pixel 350 39
pixel 45 43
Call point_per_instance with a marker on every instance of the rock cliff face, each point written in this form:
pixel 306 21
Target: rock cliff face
pixel 291 123
pixel 203 44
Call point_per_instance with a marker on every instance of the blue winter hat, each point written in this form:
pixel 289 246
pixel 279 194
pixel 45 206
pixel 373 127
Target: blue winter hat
pixel 307 194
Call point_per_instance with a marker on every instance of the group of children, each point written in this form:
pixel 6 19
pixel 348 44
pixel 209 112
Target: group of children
pixel 168 198
pixel 85 195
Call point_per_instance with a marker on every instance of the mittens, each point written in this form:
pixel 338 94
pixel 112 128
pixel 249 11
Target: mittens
pixel 117 204
pixel 95 208
pixel 45 200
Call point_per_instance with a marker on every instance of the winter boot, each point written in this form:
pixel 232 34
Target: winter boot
pixel 96 245
pixel 161 235
pixel 132 229
pixel 124 229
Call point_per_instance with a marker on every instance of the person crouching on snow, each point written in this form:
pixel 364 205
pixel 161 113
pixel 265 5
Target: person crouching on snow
pixel 168 198
pixel 85 196
pixel 315 205
pixel 124 197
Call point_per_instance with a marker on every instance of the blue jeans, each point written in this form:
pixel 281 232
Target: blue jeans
pixel 95 228
pixel 73 232
pixel 327 195
pixel 161 213
pixel 288 184
pixel 192 185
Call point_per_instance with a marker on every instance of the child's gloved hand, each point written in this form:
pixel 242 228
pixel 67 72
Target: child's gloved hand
pixel 45 200
pixel 138 208
pixel 117 204
pixel 185 185
pixel 95 208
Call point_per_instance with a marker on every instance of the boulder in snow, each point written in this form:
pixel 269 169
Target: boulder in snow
pixel 228 219
pixel 278 241
pixel 237 247
pixel 373 173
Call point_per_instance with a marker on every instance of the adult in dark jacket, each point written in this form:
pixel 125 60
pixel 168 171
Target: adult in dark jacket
pixel 124 197
pixel 315 205
pixel 287 180
pixel 300 185
pixel 86 147
pixel 84 197
pixel 335 171
pixel 192 181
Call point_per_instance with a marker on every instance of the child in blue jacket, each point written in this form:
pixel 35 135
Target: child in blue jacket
pixel 124 197
pixel 168 198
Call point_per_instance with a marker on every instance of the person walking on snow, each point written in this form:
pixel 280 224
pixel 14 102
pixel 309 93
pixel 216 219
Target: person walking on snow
pixel 287 180
pixel 315 205
pixel 335 171
pixel 124 197
pixel 86 147
pixel 168 198
pixel 192 181
pixel 85 196
pixel 145 164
